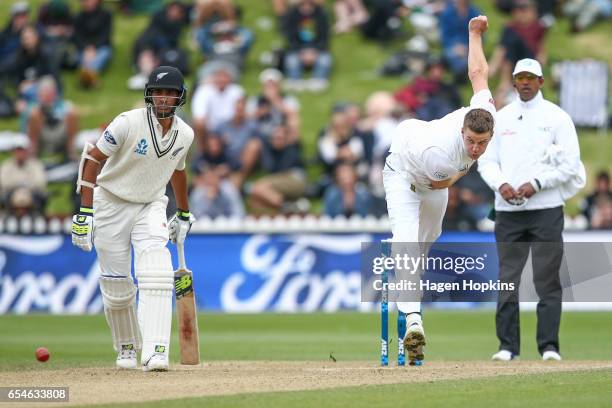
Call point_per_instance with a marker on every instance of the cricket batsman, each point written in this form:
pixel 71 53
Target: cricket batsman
pixel 424 160
pixel 124 206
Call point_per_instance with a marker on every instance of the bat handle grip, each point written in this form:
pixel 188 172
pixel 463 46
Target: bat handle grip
pixel 181 255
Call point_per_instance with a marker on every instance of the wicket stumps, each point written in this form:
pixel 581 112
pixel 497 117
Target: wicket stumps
pixel 384 318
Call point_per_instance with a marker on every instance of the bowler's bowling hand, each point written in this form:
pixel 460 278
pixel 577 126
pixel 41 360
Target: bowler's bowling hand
pixel 478 25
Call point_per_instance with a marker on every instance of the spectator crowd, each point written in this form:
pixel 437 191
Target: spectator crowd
pixel 248 155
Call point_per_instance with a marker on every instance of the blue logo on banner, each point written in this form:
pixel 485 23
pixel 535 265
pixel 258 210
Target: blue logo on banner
pixel 47 274
pixel 232 272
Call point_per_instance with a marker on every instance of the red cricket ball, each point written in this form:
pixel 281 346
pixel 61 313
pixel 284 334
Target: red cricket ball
pixel 42 354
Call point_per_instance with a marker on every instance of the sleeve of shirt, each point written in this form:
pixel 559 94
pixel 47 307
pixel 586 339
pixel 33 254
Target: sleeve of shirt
pixel 114 135
pixel 567 139
pixel 180 166
pixel 483 100
pixel 437 164
pixel 489 165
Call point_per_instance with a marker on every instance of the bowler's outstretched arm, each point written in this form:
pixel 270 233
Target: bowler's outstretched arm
pixel 478 69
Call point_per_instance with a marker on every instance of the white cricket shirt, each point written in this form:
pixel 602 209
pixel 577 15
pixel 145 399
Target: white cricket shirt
pixel 435 150
pixel 524 135
pixel 141 161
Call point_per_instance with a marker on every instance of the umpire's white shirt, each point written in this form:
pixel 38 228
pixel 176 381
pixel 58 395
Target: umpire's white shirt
pixel 141 161
pixel 435 150
pixel 525 134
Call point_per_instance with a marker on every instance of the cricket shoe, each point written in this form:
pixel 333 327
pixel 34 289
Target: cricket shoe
pixel 157 362
pixel 504 355
pixel 126 358
pixel 414 340
pixel 551 355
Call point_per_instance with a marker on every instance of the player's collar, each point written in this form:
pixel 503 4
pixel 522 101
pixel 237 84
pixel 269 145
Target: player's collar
pixel 172 134
pixel 156 120
pixel 531 103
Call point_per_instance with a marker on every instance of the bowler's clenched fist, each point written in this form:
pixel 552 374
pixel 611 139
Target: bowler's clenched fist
pixel 478 25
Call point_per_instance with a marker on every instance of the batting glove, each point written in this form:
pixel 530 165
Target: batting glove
pixel 82 229
pixel 179 225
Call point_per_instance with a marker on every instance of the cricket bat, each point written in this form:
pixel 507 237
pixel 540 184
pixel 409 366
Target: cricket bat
pixel 189 339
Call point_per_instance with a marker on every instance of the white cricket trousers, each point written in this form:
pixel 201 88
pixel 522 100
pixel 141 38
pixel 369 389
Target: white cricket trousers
pixel 118 224
pixel 415 214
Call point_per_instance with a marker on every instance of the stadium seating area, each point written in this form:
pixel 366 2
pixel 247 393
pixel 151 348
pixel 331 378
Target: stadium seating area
pixel 287 121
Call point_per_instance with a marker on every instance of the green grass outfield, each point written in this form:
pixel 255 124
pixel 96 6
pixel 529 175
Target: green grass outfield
pixel 452 335
pixel 581 389
pixel 84 341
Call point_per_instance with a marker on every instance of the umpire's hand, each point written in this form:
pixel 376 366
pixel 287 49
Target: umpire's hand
pixel 509 194
pixel 526 190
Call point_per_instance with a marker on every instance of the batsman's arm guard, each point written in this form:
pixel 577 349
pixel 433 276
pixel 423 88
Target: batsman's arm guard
pixel 85 156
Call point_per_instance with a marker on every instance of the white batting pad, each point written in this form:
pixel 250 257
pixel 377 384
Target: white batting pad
pixel 155 281
pixel 118 295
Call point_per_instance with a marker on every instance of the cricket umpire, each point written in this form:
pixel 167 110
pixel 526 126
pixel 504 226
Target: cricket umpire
pixel 533 165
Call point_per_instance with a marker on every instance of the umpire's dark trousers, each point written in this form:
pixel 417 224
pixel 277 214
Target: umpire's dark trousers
pixel 516 233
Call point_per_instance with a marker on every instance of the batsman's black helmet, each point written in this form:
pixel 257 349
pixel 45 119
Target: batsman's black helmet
pixel 166 77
